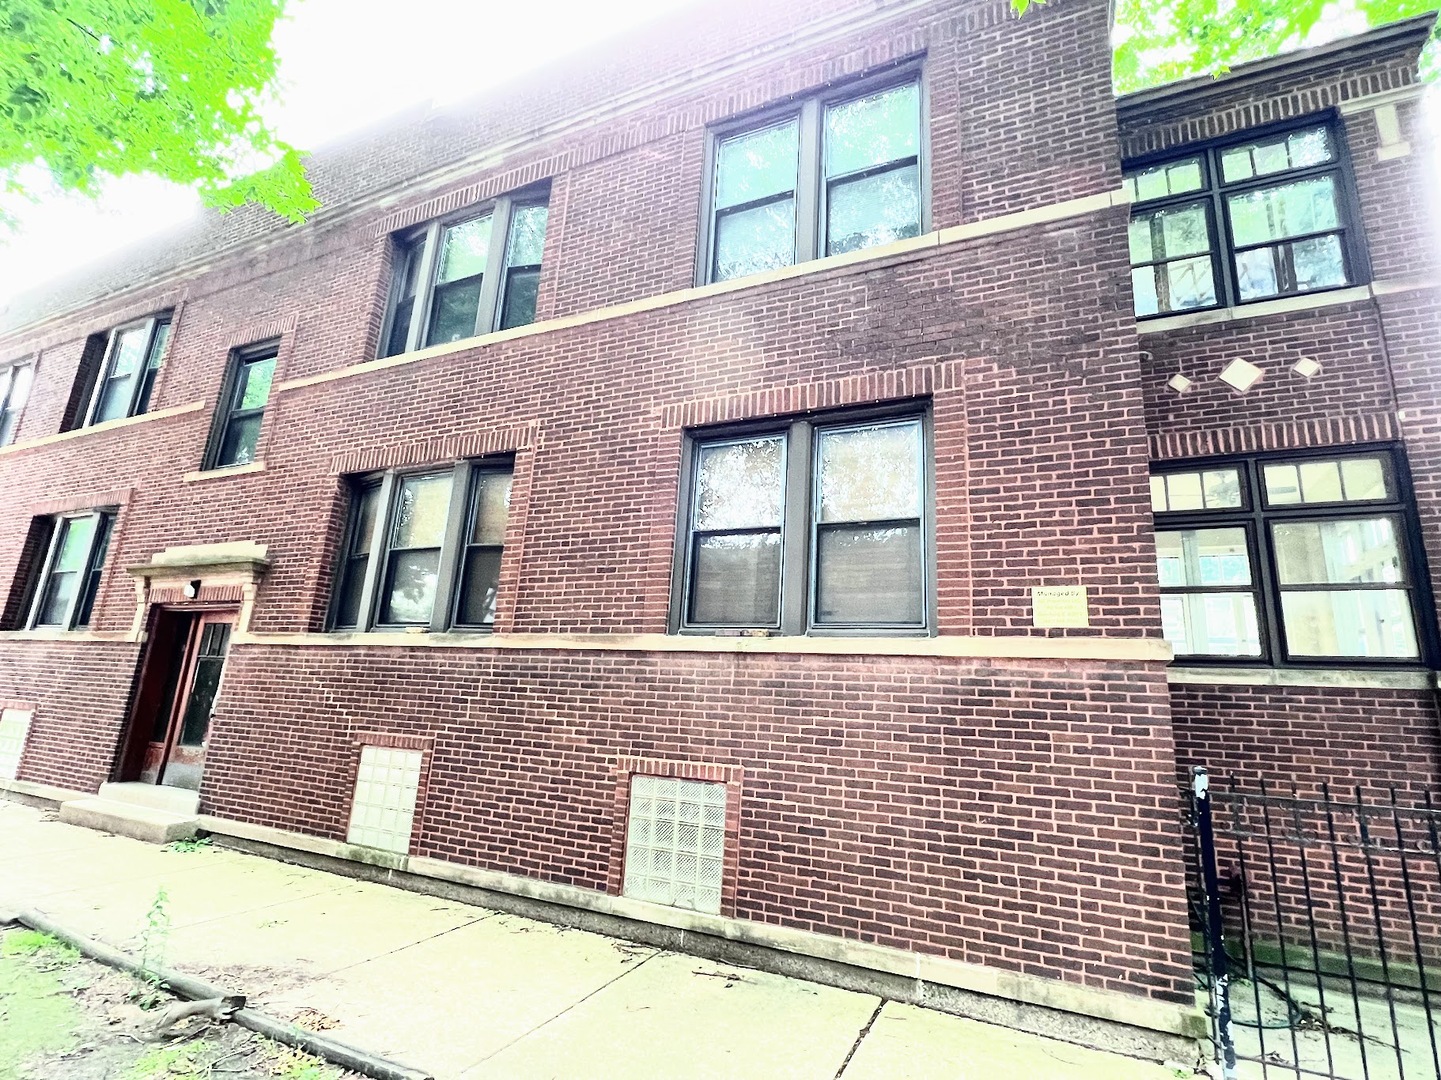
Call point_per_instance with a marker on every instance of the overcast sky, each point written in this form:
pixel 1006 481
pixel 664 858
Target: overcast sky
pixel 344 64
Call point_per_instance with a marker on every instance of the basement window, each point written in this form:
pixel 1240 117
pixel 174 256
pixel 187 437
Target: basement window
pixel 675 842
pixel 387 784
pixel 14 730
pixel 465 275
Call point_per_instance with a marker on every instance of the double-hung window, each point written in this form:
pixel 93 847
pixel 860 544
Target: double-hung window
pixel 423 549
pixel 459 277
pixel 127 378
pixel 1241 221
pixel 69 577
pixel 15 383
pixel 829 175
pixel 811 525
pixel 242 406
pixel 1290 560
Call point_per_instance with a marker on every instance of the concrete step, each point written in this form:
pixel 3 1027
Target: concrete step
pixel 128 819
pixel 172 800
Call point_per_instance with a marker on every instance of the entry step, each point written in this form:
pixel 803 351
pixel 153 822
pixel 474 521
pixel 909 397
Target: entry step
pixel 173 800
pixel 129 819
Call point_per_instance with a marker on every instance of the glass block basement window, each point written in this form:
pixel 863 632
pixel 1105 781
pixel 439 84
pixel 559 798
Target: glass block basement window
pixel 675 842
pixel 14 727
pixel 384 806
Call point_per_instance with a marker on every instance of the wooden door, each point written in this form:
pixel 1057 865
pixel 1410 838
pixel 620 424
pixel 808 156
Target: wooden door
pixel 175 756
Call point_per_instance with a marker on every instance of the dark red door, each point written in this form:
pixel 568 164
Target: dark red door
pixel 175 755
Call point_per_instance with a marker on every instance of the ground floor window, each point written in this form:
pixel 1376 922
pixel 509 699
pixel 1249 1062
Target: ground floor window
pixel 1292 559
pixel 675 842
pixel 69 579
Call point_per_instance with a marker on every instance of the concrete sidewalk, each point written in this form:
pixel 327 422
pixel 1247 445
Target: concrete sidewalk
pixel 468 993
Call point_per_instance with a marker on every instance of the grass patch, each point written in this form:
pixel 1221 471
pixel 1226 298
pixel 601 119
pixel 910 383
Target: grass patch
pixel 37 1015
pixel 33 944
pixel 187 846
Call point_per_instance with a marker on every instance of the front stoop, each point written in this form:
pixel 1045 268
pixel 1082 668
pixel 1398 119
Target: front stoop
pixel 141 811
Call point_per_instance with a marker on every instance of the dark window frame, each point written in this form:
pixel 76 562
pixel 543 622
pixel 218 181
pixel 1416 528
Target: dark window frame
pixel 10 414
pixel 796 616
pixel 97 553
pixel 1213 194
pixel 443 617
pixel 1256 518
pixel 423 242
pixel 143 385
pixel 811 183
pixel 227 411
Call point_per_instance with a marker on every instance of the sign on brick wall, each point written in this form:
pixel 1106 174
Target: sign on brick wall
pixel 1060 606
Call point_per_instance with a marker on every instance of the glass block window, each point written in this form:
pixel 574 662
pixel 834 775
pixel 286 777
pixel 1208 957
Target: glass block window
pixel 1297 559
pixel 14 728
pixel 675 842
pixel 385 790
pixel 1242 221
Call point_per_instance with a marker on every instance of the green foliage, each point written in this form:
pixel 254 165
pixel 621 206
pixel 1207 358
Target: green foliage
pixel 169 1063
pixel 91 89
pixel 34 944
pixel 154 940
pixel 188 846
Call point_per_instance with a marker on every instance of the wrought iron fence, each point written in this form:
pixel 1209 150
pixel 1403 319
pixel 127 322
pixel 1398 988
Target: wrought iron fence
pixel 1317 923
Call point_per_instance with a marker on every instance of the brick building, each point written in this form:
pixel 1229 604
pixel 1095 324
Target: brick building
pixel 745 490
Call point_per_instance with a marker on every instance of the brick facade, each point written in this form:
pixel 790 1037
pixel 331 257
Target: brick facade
pixel 999 794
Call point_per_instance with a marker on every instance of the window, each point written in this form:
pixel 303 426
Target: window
pixel 423 549
pixel 1290 560
pixel 452 282
pixel 808 526
pixel 675 842
pixel 387 784
pixel 14 730
pixel 243 398
pixel 133 357
pixel 1242 221
pixel 15 383
pixel 70 576
pixel 832 174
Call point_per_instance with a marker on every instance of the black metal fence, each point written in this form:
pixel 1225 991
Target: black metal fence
pixel 1317 924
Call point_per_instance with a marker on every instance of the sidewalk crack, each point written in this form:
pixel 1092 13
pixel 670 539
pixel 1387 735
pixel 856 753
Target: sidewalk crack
pixel 881 1004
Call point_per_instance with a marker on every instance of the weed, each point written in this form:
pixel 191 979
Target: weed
pixel 289 1064
pixel 51 951
pixel 168 1063
pixel 189 845
pixel 154 938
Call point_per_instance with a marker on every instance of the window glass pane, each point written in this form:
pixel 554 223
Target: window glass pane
pixel 454 311
pixel 157 346
pixel 1221 489
pixel 480 577
pixel 492 504
pixel 750 241
pixel 1189 283
pixel 1143 287
pixel 254 388
pixel 1370 623
pixel 114 399
pixel 237 447
pixel 347 612
pixel 1283 485
pixel 1139 234
pixel 74 544
pixel 1363 478
pixel 1353 551
pixel 464 249
pixel 129 351
pixel 873 210
pixel 1166 234
pixel 1158 493
pixel 59 590
pixel 1184 491
pixel 1320 481
pixel 411 595
pixel 1256 274
pixel 522 289
pixel 1211 624
pixel 364 531
pixel 1202 557
pixel 92 578
pixel 527 236
pixel 1328 481
pixel 740 485
pixel 869 576
pixel 421 508
pixel 1173 178
pixel 1297 150
pixel 1319 262
pixel 400 327
pixel 873 130
pixel 1273 213
pixel 869 474
pixel 21 379
pixel 735 580
pixel 757 164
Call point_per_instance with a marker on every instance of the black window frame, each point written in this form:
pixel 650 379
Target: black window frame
pixel 444 618
pixel 81 606
pixel 798 584
pixel 811 181
pixel 422 243
pixel 1214 190
pixel 1256 518
pixel 143 385
pixel 228 412
pixel 10 412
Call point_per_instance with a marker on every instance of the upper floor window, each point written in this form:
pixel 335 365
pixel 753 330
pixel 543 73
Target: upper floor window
pixel 69 578
pixel 15 383
pixel 242 406
pixel 808 526
pixel 1242 221
pixel 459 277
pixel 422 549
pixel 1296 559
pixel 127 375
pixel 831 174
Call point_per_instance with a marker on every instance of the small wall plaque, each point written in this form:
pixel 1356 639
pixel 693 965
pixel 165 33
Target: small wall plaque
pixel 1060 606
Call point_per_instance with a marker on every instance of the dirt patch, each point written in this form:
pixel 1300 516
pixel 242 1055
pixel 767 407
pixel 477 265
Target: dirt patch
pixel 62 1016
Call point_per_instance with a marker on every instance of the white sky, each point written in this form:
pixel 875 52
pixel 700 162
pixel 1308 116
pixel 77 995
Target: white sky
pixel 344 65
